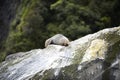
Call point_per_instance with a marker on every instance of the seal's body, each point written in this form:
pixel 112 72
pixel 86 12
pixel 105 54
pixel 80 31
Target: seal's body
pixel 58 39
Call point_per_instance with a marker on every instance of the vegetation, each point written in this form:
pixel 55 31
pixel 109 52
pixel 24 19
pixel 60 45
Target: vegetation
pixel 37 20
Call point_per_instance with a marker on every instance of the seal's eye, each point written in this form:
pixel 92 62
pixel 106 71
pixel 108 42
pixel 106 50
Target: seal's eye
pixel 52 42
pixel 66 44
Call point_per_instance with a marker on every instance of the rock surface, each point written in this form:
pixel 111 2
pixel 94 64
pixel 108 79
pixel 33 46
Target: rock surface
pixel 93 57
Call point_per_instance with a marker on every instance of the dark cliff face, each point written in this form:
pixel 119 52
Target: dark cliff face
pixel 7 13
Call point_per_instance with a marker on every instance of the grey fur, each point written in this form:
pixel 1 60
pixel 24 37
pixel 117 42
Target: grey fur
pixel 58 39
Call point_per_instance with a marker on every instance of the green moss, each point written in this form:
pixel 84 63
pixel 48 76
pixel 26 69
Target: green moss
pixel 112 38
pixel 71 69
pixel 79 53
pixel 47 75
pixel 66 73
pixel 113 52
pixel 2 56
pixel 110 58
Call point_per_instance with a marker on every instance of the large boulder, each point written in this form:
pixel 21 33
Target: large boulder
pixel 93 57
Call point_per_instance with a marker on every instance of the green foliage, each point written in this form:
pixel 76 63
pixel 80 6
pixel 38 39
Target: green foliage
pixel 37 20
pixel 2 56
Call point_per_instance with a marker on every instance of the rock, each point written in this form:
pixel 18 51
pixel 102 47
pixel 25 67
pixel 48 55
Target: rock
pixel 93 57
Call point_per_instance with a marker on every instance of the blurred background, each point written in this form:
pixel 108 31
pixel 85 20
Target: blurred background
pixel 26 24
